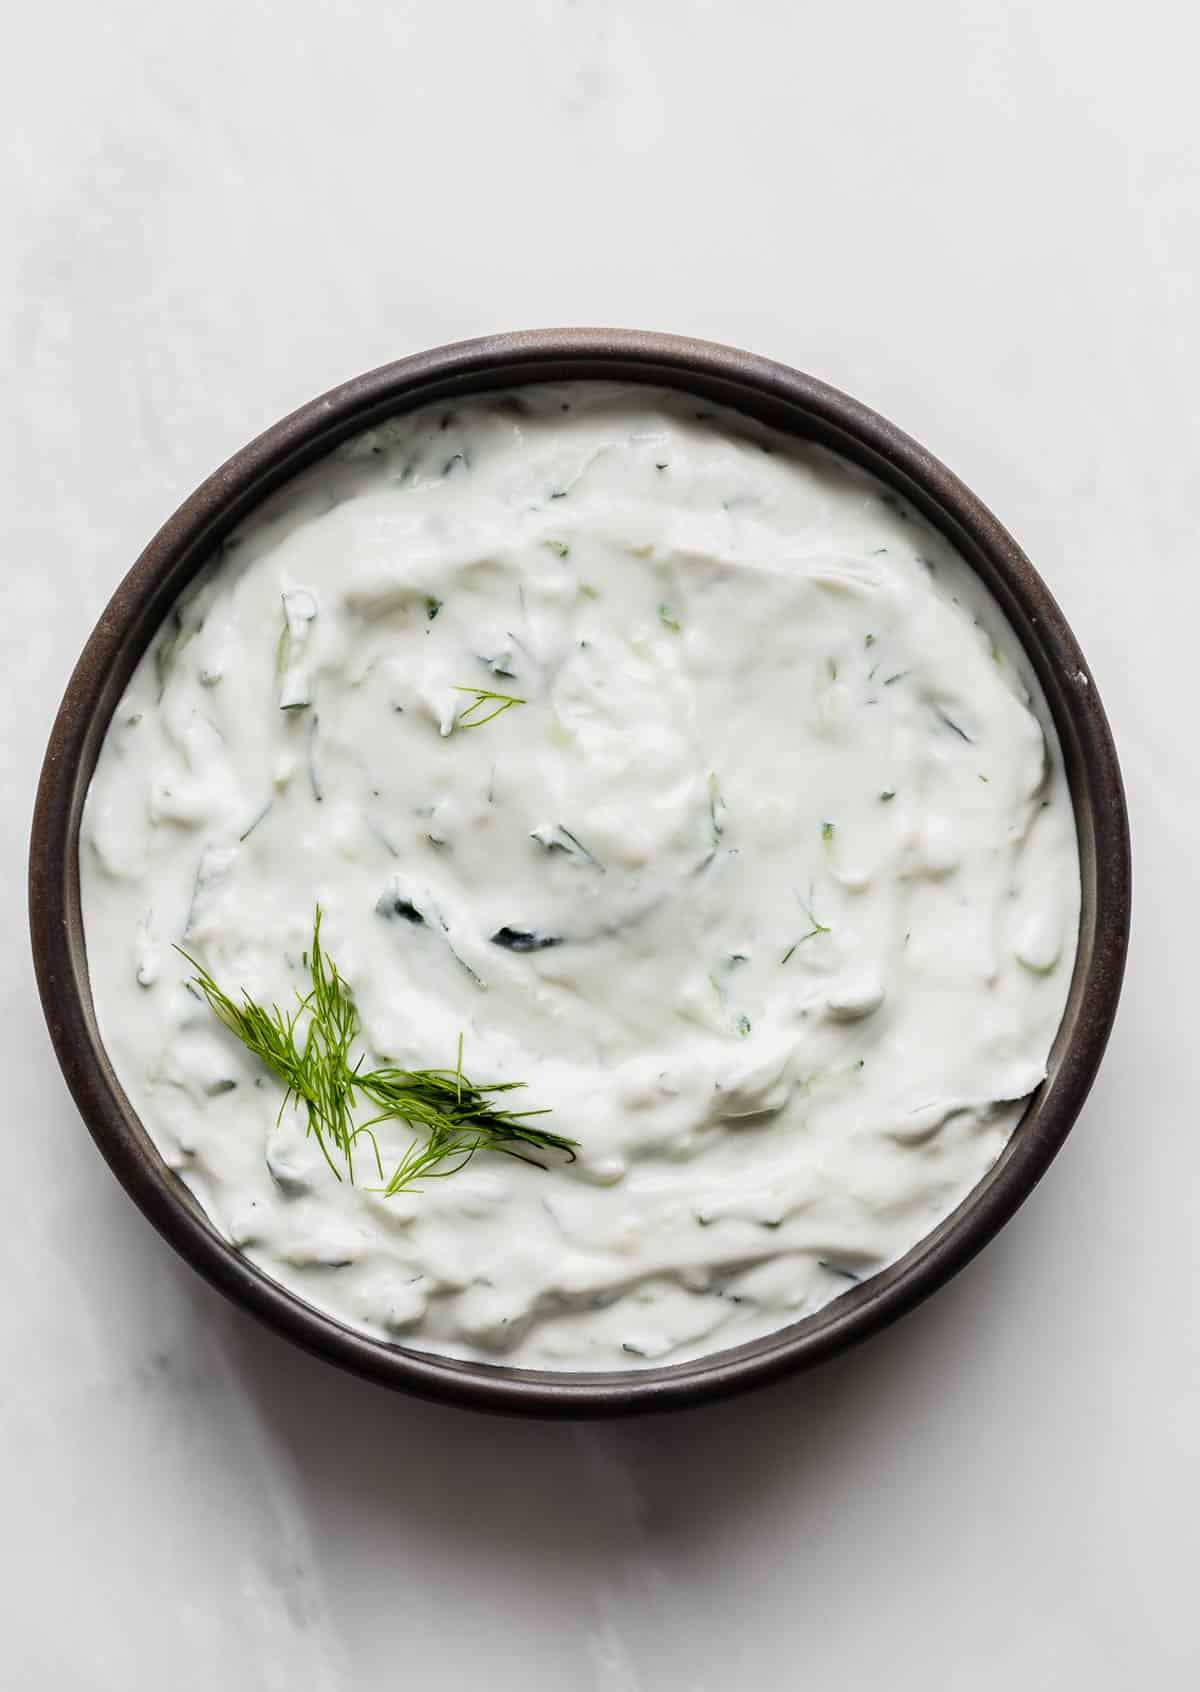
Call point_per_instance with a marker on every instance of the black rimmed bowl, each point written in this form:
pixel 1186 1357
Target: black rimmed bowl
pixel 790 401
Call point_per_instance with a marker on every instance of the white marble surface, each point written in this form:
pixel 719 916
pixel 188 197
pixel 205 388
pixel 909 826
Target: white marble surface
pixel 984 222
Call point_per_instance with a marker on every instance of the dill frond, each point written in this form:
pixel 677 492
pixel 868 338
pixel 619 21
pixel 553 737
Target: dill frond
pixel 483 696
pixel 309 1051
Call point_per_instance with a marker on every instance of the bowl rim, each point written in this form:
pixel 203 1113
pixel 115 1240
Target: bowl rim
pixel 788 399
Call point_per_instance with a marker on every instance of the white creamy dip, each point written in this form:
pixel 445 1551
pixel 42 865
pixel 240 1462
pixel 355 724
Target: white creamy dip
pixel 769 891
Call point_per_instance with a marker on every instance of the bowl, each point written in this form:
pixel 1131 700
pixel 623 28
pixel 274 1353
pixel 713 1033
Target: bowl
pixel 790 401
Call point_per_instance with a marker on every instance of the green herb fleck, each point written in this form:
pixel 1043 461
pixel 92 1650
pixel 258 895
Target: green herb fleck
pixel 392 904
pixel 869 640
pixel 955 728
pixel 668 619
pixel 815 927
pixel 887 795
pixel 253 824
pixel 716 809
pixel 432 607
pixel 826 831
pixel 560 839
pixel 484 696
pixel 560 549
pixel 743 1026
pixel 314 774
pixel 524 939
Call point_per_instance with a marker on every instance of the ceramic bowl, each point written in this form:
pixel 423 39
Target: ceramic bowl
pixel 790 401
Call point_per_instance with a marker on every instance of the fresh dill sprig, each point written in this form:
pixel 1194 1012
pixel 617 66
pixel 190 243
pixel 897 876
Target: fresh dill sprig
pixel 309 1051
pixel 558 838
pixel 483 696
pixel 311 1069
pixel 459 1119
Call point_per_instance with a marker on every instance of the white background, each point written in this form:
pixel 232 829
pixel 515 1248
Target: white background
pixel 982 221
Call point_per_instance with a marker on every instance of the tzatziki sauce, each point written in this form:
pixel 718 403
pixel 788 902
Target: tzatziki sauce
pixel 765 884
